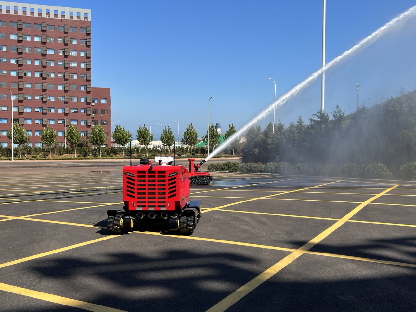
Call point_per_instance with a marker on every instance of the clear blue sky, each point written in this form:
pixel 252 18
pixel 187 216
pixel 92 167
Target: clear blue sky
pixel 164 59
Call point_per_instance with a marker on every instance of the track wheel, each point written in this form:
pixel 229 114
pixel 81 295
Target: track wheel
pixel 115 223
pixel 187 225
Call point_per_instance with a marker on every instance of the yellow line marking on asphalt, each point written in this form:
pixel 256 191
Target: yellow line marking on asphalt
pixel 261 278
pixel 57 299
pixel 254 245
pixel 43 254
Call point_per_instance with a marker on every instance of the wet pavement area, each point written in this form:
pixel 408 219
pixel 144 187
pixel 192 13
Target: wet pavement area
pixel 264 243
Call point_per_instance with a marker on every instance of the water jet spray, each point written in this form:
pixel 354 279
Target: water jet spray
pixel 298 88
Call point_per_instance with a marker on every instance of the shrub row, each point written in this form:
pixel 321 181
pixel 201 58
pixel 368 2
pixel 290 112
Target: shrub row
pixel 374 170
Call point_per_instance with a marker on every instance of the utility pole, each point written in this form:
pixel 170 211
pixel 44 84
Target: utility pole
pixel 323 55
pixel 357 96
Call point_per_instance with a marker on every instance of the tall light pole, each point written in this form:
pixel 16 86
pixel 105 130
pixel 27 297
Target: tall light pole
pixel 275 94
pixel 65 133
pixel 11 97
pixel 323 55
pixel 357 96
pixel 161 127
pixel 208 130
pixel 178 136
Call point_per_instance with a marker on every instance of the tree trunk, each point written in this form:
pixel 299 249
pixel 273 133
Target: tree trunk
pixel 75 149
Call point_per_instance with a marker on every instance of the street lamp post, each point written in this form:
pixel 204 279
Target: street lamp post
pixel 11 97
pixel 161 127
pixel 208 130
pixel 275 94
pixel 178 136
pixel 65 133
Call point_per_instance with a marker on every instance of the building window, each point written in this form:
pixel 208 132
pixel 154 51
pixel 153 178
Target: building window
pixel 83 64
pixel 104 111
pixel 74 122
pixel 3 108
pixel 37 50
pixel 38 144
pixel 84 133
pixel 37 26
pixel 3 23
pixel 13 36
pixel 50 39
pixel 50 62
pixel 29 132
pixel 83 41
pixel 95 122
pixel 51 86
pixel 38 109
pixel 37 62
pixel 3 144
pixel 60 39
pixel 3 72
pixel 83 110
pixel 38 85
pixel 13 73
pixel 83 76
pixel 3 48
pixel 3 120
pixel 74 110
pixel 83 99
pixel 27 61
pixel 73 29
pixel 95 111
pixel 50 51
pixel 73 52
pixel 27 73
pixel 27 97
pixel 83 122
pixel 61 110
pixel 27 38
pixel 51 121
pixel 73 41
pixel 3 132
pixel 61 98
pixel 27 85
pixel 73 75
pixel 26 25
pixel 28 121
pixel 3 84
pixel 73 99
pixel 27 109
pixel 74 87
pixel 83 29
pixel 61 63
pixel 51 74
pixel 61 75
pixel 13 85
pixel 61 28
pixel 3 60
pixel 51 110
pixel 50 27
pixel 73 64
pixel 83 87
pixel 51 98
pixel 61 51
pixel 61 121
pixel 13 24
pixel 38 132
pixel 61 132
pixel 61 86
pixel 27 49
pixel 38 97
pixel 37 38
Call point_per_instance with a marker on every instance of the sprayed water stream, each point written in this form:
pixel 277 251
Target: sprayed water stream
pixel 294 91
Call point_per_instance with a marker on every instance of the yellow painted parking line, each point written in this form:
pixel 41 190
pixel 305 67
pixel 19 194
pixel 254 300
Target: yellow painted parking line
pixel 261 278
pixel 273 195
pixel 57 299
pixel 43 254
pixel 308 216
pixel 254 245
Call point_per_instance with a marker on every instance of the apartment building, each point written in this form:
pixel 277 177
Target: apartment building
pixel 46 72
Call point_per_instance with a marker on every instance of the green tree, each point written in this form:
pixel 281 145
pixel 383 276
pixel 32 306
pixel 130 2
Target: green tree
pixel 214 137
pixel 98 137
pixel 74 137
pixel 121 136
pixel 229 133
pixel 190 137
pixel 144 137
pixel 20 136
pixel 49 138
pixel 167 137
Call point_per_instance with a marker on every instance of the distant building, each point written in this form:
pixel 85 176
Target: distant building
pixel 218 128
pixel 45 67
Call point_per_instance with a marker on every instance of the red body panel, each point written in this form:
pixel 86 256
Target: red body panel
pixel 162 187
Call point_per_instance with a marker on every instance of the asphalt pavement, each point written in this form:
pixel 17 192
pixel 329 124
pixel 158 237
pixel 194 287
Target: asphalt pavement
pixel 264 243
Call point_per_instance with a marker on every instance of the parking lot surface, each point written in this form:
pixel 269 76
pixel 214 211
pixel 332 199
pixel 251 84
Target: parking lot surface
pixel 264 243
